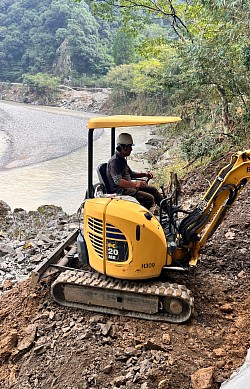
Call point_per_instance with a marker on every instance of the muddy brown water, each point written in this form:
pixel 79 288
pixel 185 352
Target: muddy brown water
pixel 43 155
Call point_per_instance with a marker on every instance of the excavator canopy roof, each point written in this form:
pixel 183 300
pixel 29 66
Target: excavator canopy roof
pixel 129 120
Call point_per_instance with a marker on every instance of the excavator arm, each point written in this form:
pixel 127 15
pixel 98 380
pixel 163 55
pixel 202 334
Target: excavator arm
pixel 196 228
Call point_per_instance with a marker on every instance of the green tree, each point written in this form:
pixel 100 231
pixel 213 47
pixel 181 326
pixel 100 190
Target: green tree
pixel 41 82
pixel 211 64
pixel 123 48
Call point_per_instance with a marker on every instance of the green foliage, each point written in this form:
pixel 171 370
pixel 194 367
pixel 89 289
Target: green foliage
pixel 246 56
pixel 121 78
pixel 52 36
pixel 123 49
pixel 147 76
pixel 41 82
pixel 135 14
pixel 200 69
pixel 200 144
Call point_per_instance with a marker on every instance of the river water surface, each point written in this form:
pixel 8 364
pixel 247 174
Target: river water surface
pixel 43 155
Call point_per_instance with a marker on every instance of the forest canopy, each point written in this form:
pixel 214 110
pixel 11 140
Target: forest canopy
pixel 200 66
pixel 59 37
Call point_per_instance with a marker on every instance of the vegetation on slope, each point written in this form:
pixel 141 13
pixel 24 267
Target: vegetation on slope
pixel 200 73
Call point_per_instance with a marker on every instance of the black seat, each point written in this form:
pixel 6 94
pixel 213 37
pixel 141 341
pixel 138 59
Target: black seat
pixel 102 175
pixel 103 180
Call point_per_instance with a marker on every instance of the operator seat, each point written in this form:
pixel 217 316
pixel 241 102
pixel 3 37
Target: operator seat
pixel 102 175
pixel 103 180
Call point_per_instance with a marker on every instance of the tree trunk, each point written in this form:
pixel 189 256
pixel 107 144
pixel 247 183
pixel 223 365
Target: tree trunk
pixel 228 123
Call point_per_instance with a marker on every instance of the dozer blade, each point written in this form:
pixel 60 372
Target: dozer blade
pixel 145 300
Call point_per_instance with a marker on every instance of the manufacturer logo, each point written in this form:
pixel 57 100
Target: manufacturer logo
pixel 113 245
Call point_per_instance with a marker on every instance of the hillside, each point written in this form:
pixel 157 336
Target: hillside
pixel 46 345
pixel 59 38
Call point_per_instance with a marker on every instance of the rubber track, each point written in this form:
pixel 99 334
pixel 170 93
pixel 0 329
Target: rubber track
pixel 88 279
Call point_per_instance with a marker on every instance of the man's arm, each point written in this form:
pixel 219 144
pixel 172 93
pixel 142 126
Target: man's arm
pixel 135 184
pixel 143 174
pixel 131 184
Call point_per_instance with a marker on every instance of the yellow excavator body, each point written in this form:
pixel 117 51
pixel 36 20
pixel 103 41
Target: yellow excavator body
pixel 123 238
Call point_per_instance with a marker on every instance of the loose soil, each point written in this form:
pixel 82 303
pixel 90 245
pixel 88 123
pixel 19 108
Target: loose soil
pixel 49 346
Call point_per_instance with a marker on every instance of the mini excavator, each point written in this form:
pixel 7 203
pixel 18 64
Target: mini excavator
pixel 125 248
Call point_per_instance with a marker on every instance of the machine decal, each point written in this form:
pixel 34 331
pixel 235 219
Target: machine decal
pixel 113 254
pixel 116 244
pixel 148 265
pixel 117 251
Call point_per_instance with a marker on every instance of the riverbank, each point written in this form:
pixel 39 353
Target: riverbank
pixel 20 135
pixel 85 99
pixel 33 134
pixel 45 158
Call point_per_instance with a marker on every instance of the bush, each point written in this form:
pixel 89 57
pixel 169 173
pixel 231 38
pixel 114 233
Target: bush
pixel 200 144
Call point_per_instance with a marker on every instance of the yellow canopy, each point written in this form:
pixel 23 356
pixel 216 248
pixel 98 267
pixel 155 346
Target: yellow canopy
pixel 129 120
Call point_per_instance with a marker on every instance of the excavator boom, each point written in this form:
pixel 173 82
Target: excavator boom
pixel 206 217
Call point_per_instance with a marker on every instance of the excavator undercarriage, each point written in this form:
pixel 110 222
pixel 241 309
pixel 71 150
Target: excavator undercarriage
pixel 99 293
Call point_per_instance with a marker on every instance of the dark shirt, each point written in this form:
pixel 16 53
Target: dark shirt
pixel 118 168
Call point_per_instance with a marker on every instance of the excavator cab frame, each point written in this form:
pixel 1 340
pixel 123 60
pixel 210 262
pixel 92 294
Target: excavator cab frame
pixel 113 122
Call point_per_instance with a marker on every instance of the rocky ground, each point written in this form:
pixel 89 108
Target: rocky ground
pixel 44 345
pixel 85 99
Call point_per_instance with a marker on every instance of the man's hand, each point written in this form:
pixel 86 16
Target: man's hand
pixel 140 184
pixel 149 175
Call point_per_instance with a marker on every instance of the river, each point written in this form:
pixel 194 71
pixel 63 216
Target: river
pixel 43 155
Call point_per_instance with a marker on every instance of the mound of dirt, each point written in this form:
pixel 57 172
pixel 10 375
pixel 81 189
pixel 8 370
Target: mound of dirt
pixel 43 345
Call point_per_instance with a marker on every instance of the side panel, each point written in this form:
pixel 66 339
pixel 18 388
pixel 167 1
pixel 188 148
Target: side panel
pixel 121 241
pixel 93 229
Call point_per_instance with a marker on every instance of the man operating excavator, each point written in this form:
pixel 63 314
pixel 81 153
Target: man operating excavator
pixel 123 180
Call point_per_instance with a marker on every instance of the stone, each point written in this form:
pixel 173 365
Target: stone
pixel 219 352
pixel 227 308
pixel 107 369
pixel 105 328
pixel 29 337
pixel 6 249
pixel 163 384
pixel 230 235
pixel 203 378
pixel 119 380
pixel 7 284
pixel 25 344
pixel 4 210
pixel 8 343
pixel 40 349
pixel 166 338
pixel 152 345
